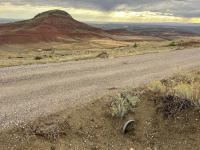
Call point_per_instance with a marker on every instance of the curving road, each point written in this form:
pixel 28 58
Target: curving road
pixel 27 92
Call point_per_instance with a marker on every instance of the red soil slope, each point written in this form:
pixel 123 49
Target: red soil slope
pixel 54 25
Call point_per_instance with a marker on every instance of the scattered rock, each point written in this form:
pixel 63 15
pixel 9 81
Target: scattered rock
pixel 103 55
pixel 148 148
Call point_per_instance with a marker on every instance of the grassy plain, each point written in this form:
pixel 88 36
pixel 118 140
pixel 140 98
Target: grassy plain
pixel 13 55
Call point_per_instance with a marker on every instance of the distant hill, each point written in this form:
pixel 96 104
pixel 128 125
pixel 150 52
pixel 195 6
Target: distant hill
pixel 162 30
pixel 3 20
pixel 58 25
pixel 54 25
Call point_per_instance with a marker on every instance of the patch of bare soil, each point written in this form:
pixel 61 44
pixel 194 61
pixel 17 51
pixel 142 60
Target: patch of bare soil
pixel 161 123
pixel 89 127
pixel 168 123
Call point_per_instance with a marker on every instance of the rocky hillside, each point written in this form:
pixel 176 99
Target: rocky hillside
pixel 54 25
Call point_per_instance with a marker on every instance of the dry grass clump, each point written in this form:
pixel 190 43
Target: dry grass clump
pixel 123 103
pixel 189 43
pixel 182 77
pixel 177 93
pixel 188 91
pixel 49 129
pixel 171 106
pixel 103 55
pixel 173 95
pixel 172 44
pixel 157 87
pixel 181 85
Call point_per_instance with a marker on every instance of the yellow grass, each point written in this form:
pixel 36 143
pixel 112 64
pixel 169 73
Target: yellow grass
pixel 12 55
pixel 186 86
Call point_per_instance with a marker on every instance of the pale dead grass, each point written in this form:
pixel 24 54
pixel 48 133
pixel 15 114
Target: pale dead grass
pixel 12 55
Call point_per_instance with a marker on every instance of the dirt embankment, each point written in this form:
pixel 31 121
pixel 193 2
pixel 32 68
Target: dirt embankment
pixel 163 121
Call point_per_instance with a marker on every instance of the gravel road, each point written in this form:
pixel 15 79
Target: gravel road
pixel 27 92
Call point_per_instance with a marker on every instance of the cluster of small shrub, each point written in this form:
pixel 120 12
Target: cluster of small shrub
pixel 123 103
pixel 50 129
pixel 135 45
pixel 184 86
pixel 38 58
pixel 181 90
pixel 173 43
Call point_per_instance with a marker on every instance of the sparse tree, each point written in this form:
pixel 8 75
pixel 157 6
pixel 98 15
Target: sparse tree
pixel 135 45
pixel 172 43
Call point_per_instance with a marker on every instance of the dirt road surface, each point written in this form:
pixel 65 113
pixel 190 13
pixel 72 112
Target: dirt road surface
pixel 27 92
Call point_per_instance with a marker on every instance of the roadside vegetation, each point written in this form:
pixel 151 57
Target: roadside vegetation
pixel 173 44
pixel 184 43
pixel 123 104
pixel 178 93
pixel 166 115
pixel 135 45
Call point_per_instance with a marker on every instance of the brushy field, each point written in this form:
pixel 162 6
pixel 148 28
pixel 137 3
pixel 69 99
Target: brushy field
pixel 12 55
pixel 166 114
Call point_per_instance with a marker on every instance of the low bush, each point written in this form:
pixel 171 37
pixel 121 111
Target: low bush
pixel 135 45
pixel 183 78
pixel 38 58
pixel 122 104
pixel 183 86
pixel 171 106
pixel 173 44
pixel 157 87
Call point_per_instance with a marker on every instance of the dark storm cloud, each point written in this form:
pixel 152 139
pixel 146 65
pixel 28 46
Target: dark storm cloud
pixel 183 8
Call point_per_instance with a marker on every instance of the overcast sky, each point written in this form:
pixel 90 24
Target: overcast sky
pixel 108 10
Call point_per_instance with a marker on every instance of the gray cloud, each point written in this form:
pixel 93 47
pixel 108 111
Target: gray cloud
pixel 182 8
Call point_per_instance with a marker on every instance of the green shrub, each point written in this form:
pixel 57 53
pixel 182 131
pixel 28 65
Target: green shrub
pixel 173 44
pixel 135 45
pixel 38 58
pixel 122 104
